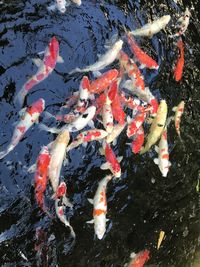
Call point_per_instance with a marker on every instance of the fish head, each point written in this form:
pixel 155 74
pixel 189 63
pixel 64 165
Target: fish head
pixel 100 226
pixel 78 2
pixel 61 5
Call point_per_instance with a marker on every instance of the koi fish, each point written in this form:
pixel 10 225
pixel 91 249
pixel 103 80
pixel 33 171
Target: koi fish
pixel 104 60
pixel 152 28
pixel 117 129
pixel 178 113
pixel 100 208
pixel 117 110
pixel 132 70
pixel 103 82
pixel 45 68
pixel 112 162
pixel 163 154
pixel 41 176
pixel 178 70
pixel 135 123
pixel 29 116
pixel 142 57
pixel 60 5
pixel 183 23
pixel 138 140
pixel 157 127
pixel 87 136
pixel 57 152
pixel 139 259
pixel 78 124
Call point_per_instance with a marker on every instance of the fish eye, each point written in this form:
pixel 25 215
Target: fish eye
pixel 160 125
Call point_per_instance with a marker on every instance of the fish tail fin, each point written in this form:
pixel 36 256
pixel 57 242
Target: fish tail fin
pixel 48 115
pixel 43 127
pixel 5 152
pixel 76 70
pixel 19 98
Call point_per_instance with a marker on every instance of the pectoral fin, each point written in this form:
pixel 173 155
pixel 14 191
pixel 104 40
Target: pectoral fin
pixel 90 222
pixel 105 166
pixel 120 158
pixel 174 109
pixel 91 201
pixel 156 161
pixel 37 62
pixel 60 59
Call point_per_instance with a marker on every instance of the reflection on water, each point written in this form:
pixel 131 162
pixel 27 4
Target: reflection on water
pixel 142 202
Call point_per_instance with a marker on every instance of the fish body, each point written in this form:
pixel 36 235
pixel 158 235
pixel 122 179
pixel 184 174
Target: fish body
pixel 104 60
pixel 183 23
pixel 57 153
pixel 29 116
pixel 132 70
pixel 135 123
pixel 87 136
pixel 100 208
pixel 152 28
pixel 41 176
pixel 139 259
pixel 84 92
pixel 103 82
pixel 138 141
pixel 163 154
pixel 157 127
pixel 178 113
pixel 145 60
pixel 117 129
pixel 112 162
pixel 178 70
pixel 45 68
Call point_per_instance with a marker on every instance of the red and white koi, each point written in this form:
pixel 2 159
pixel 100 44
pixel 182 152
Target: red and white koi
pixel 100 208
pixel 178 70
pixel 57 152
pixel 178 113
pixel 112 162
pixel 84 92
pixel 45 68
pixel 87 136
pixel 145 60
pixel 78 124
pixel 41 176
pixel 29 116
pixel 138 141
pixel 139 259
pixel 183 23
pixel 152 28
pixel 132 70
pixel 105 60
pixel 163 154
pixel 104 81
pixel 135 123
pixel 157 127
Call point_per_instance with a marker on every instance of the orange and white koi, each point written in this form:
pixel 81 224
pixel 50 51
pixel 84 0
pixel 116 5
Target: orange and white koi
pixel 29 116
pixel 100 208
pixel 87 136
pixel 57 152
pixel 132 70
pixel 152 28
pixel 112 162
pixel 138 140
pixel 183 23
pixel 105 60
pixel 117 129
pixel 78 124
pixel 178 70
pixel 139 259
pixel 104 81
pixel 135 123
pixel 145 60
pixel 178 113
pixel 163 154
pixel 45 68
pixel 157 127
pixel 41 176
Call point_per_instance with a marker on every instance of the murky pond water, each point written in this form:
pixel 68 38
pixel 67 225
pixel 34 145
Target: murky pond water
pixel 142 202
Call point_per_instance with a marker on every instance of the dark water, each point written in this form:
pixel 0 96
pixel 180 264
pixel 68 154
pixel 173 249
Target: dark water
pixel 137 208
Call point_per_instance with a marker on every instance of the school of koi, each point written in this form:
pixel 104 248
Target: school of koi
pixel 104 101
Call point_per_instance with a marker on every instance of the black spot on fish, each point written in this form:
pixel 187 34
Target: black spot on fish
pixel 160 125
pixel 85 116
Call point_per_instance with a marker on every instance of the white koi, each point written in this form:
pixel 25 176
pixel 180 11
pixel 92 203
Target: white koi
pixel 104 60
pixel 29 116
pixel 157 127
pixel 152 28
pixel 57 152
pixel 183 23
pixel 100 208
